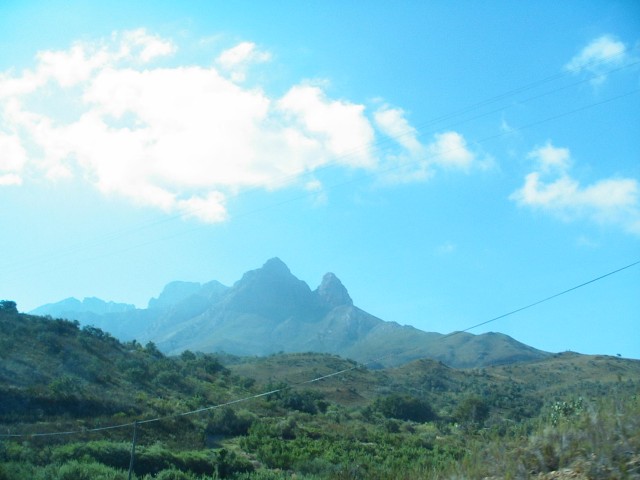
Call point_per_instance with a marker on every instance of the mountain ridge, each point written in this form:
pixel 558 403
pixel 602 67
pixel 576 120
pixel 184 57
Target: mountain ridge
pixel 270 310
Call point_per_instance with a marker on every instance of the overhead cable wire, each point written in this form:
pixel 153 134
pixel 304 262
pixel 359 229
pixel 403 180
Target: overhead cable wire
pixel 358 179
pixel 543 300
pixel 108 237
pixel 313 380
pixel 388 169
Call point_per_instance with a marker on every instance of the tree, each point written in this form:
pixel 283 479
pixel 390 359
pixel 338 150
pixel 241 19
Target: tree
pixel 8 306
pixel 153 350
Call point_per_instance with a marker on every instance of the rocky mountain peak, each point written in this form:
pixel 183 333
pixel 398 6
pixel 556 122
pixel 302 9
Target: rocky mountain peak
pixel 274 270
pixel 272 291
pixel 276 266
pixel 332 292
pixel 173 293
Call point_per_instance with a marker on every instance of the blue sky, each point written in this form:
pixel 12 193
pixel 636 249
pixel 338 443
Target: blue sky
pixel 448 161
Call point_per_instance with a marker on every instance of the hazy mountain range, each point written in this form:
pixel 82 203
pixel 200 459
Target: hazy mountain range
pixel 269 310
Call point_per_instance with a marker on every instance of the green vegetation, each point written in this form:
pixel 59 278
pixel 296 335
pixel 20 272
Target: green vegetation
pixel 569 414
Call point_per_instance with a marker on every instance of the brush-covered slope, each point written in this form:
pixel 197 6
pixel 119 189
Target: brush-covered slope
pixel 515 391
pixel 52 367
pixel 270 310
pixel 277 418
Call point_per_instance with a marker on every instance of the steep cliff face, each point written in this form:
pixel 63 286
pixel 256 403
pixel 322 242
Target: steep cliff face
pixel 332 293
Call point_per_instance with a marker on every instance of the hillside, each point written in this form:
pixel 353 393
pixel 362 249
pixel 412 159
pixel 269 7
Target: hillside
pixel 269 310
pixel 54 368
pixel 274 417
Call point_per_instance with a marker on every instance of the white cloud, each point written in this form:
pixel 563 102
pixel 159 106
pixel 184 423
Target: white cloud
pixel 393 123
pixel 550 158
pixel 9 179
pixel 340 126
pixel 410 162
pixel 317 192
pixel 77 64
pixel 245 52
pixel 144 46
pixel 11 87
pixel 600 55
pixel 505 127
pixel 13 157
pixel 70 67
pixel 236 60
pixel 12 154
pixel 449 150
pixel 446 248
pixel 417 161
pixel 188 138
pixel 613 201
pixel 209 209
pixel 181 138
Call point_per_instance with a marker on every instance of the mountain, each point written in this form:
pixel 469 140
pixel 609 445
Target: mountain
pixel 269 310
pixel 90 305
pixel 173 293
pixel 90 311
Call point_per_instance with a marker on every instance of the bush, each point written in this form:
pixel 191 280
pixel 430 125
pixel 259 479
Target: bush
pixel 169 379
pixel 148 460
pixel 113 454
pixel 565 409
pixel 472 411
pixel 15 471
pixel 226 421
pixel 301 401
pixel 173 474
pixel 75 470
pixel 405 407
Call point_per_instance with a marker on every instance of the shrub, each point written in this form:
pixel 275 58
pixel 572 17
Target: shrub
pixel 15 471
pixel 75 470
pixel 405 407
pixel 173 474
pixel 169 379
pixel 226 421
pixel 112 454
pixel 301 401
pixel 472 411
pixel 565 409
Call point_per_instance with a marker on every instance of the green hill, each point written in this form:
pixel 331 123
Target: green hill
pixel 308 415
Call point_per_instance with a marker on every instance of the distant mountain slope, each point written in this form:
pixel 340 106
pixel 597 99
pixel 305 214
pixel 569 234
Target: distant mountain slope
pixel 90 305
pixel 269 310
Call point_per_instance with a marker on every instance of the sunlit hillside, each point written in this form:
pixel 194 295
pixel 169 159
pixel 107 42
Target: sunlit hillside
pixel 72 398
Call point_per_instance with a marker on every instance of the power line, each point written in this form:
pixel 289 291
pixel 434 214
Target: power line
pixel 544 299
pixel 108 237
pixel 344 183
pixel 313 380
